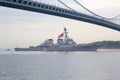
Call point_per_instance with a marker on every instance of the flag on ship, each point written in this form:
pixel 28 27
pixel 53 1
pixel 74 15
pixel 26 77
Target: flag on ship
pixel 60 36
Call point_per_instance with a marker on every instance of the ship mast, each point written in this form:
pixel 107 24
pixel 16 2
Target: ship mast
pixel 66 36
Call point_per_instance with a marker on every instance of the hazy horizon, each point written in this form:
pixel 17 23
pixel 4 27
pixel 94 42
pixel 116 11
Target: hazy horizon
pixel 19 28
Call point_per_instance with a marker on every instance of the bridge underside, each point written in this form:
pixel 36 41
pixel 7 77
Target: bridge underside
pixel 52 10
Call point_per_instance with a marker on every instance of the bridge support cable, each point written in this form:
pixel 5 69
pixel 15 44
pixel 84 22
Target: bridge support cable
pixel 87 9
pixel 66 5
pixel 116 17
pixel 83 8
pixel 93 12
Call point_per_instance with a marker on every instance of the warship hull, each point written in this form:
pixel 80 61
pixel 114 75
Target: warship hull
pixel 75 48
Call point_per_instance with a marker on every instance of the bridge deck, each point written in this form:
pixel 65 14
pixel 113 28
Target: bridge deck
pixel 57 11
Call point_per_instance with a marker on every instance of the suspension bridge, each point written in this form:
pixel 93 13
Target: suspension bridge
pixel 42 6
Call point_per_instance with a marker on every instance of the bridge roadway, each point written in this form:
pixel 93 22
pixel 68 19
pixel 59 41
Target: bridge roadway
pixel 35 6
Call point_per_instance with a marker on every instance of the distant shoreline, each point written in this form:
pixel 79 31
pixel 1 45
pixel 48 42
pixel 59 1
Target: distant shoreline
pixel 106 44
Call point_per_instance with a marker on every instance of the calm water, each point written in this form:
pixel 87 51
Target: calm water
pixel 101 65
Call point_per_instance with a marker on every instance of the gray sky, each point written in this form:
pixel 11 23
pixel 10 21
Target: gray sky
pixel 19 28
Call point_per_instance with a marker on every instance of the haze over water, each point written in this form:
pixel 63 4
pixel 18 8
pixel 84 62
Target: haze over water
pixel 100 65
pixel 19 28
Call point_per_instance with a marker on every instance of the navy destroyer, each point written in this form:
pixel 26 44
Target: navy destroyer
pixel 64 43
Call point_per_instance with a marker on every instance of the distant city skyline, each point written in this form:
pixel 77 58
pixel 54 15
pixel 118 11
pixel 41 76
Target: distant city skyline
pixel 19 28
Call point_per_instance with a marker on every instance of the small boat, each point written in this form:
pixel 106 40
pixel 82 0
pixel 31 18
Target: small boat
pixel 7 49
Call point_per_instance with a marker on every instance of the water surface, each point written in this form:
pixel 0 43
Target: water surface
pixel 101 65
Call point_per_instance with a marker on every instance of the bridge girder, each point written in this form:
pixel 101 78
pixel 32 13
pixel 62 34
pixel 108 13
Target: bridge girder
pixel 57 11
